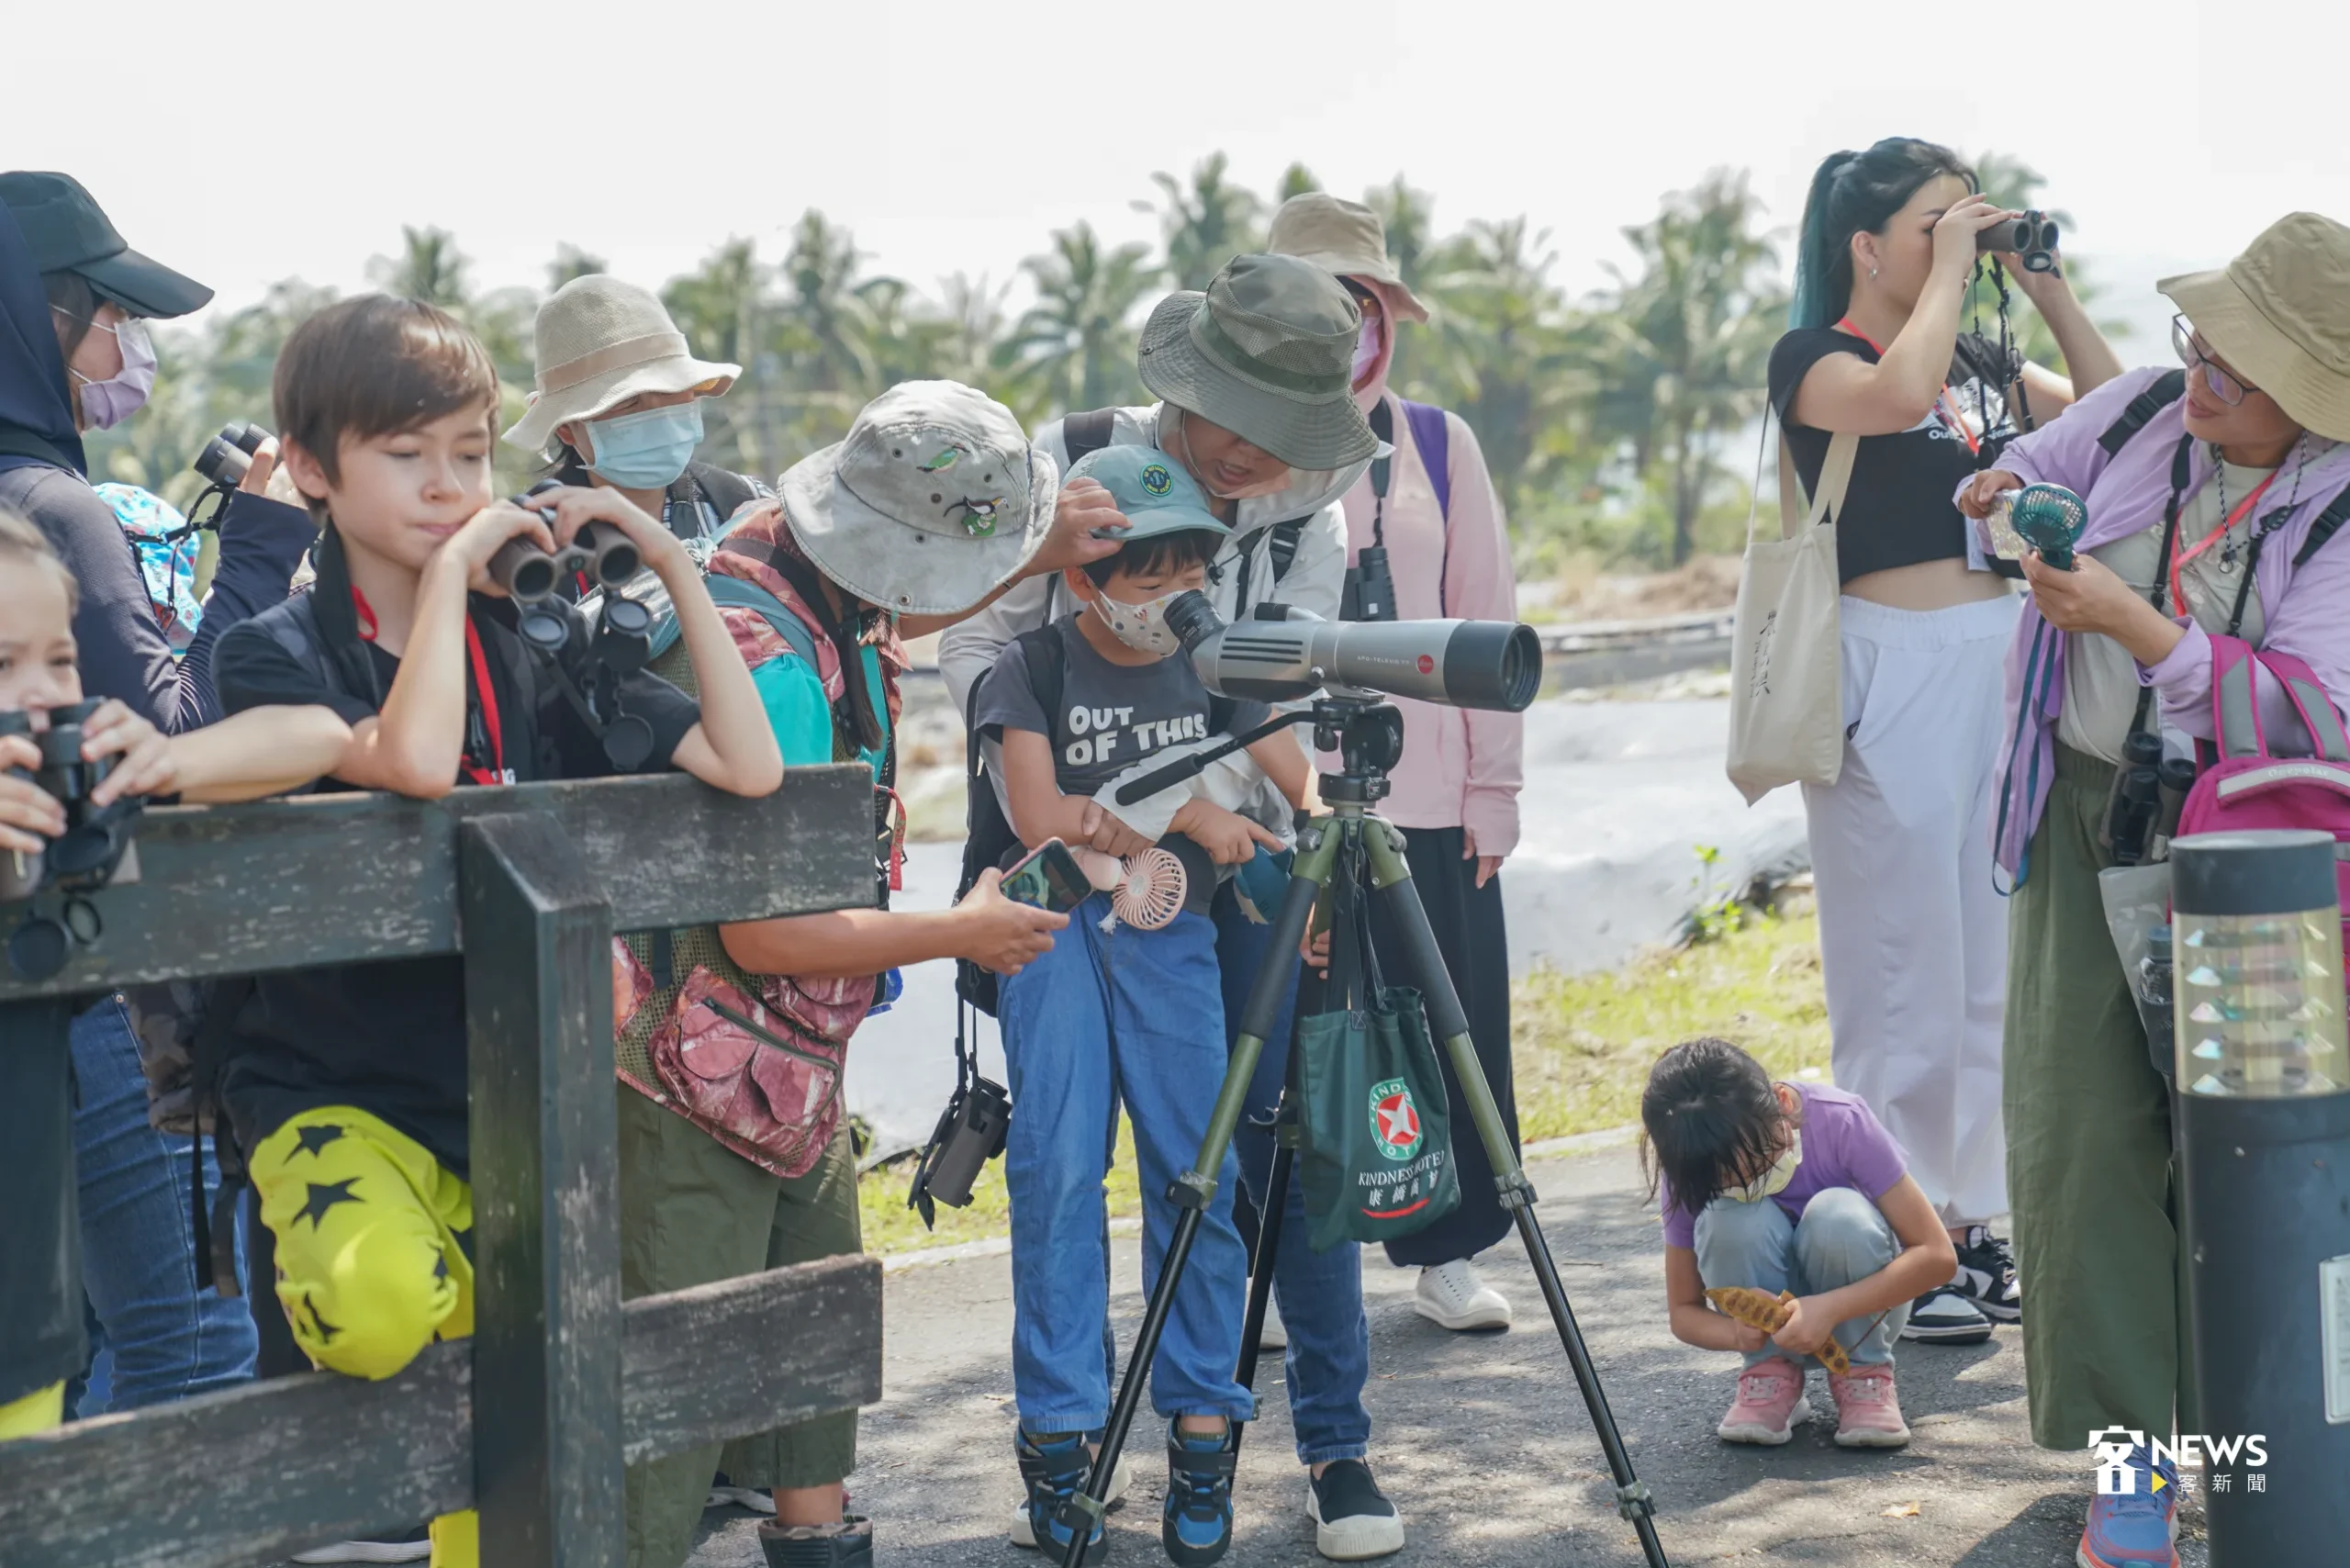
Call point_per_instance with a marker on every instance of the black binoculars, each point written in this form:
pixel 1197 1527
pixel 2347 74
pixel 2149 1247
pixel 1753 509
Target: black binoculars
pixel 2149 792
pixel 94 848
pixel 530 575
pixel 226 457
pixel 1369 590
pixel 2031 239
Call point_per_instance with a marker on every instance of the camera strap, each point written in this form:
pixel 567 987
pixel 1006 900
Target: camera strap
pixel 484 733
pixel 1946 408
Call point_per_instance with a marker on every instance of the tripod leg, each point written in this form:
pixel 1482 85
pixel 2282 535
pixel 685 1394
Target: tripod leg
pixel 1393 877
pixel 1260 1268
pixel 1195 1189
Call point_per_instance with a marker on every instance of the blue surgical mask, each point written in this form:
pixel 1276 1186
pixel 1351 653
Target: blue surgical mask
pixel 646 451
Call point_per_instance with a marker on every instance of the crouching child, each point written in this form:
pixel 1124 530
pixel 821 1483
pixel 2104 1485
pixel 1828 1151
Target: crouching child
pixel 1797 1188
pixel 346 1085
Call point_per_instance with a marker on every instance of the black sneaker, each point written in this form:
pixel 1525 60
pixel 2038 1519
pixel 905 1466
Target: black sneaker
pixel 1353 1518
pixel 1986 1276
pixel 848 1544
pixel 1942 1316
pixel 1196 1527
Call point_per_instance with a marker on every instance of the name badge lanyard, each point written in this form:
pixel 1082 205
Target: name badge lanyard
pixel 2242 510
pixel 481 715
pixel 1946 407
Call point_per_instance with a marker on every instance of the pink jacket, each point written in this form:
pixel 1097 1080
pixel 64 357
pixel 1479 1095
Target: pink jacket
pixel 1460 770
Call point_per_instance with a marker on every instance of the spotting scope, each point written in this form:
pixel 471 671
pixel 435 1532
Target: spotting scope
pixel 1281 654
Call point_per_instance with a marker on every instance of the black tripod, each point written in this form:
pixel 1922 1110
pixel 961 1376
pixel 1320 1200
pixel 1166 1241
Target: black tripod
pixel 1368 735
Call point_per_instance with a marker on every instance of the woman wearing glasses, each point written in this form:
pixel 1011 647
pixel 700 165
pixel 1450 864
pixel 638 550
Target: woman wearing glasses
pixel 1912 932
pixel 2205 504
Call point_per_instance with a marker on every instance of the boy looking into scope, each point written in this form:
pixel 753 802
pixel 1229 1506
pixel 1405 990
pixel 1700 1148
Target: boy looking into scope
pixel 62 759
pixel 347 1086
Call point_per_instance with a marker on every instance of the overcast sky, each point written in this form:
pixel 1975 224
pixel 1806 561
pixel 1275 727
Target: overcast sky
pixel 251 143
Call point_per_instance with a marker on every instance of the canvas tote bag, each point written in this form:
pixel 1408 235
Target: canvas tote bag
pixel 1787 701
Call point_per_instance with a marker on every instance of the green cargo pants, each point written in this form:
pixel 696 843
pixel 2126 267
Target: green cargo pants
pixel 691 1212
pixel 2090 1173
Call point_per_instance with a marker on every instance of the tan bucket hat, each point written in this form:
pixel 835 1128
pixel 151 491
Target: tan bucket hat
pixel 935 498
pixel 2280 313
pixel 598 343
pixel 1343 237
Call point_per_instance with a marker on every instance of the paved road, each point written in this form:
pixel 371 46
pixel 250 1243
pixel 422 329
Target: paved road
pixel 1482 1440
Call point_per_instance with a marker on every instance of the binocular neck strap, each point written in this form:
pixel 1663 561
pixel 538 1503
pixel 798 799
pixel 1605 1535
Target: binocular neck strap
pixel 854 712
pixel 1383 425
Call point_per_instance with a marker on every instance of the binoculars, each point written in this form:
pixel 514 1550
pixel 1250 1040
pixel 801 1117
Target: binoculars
pixel 2031 239
pixel 94 849
pixel 226 457
pixel 2149 791
pixel 1369 590
pixel 530 575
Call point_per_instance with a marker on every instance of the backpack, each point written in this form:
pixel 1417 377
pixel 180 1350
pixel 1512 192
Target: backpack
pixel 755 1061
pixel 988 836
pixel 2247 787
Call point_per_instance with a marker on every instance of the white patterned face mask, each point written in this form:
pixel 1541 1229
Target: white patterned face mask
pixel 1142 627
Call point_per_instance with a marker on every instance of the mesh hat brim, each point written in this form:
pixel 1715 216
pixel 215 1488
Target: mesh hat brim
pixel 901 569
pixel 2316 399
pixel 1314 431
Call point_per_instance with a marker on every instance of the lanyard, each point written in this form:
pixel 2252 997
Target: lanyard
pixel 2177 585
pixel 1946 407
pixel 487 695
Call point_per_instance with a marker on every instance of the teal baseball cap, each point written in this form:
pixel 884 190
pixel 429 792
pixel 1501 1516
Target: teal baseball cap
pixel 1157 495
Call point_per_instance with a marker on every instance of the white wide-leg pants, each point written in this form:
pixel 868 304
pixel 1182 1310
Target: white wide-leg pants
pixel 1912 932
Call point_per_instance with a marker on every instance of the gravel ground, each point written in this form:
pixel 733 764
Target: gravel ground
pixel 1482 1440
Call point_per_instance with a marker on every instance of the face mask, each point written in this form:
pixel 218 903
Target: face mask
pixel 1367 348
pixel 1142 627
pixel 1773 1181
pixel 106 404
pixel 646 451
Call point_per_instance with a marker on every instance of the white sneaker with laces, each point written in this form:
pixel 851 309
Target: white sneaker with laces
pixel 1024 1531
pixel 1452 1294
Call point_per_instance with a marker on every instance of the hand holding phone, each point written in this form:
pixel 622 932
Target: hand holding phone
pixel 1048 877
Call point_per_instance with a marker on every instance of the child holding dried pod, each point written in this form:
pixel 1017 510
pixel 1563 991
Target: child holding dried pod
pixel 1794 1233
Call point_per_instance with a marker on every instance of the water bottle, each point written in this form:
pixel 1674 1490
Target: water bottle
pixel 2155 1000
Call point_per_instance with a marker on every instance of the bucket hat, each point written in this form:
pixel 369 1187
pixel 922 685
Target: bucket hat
pixel 2280 313
pixel 1152 490
pixel 1342 237
pixel 935 498
pixel 599 341
pixel 66 231
pixel 1268 353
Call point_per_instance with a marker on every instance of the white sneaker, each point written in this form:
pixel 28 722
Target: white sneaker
pixel 1275 1334
pixel 749 1497
pixel 1024 1533
pixel 1452 1294
pixel 415 1550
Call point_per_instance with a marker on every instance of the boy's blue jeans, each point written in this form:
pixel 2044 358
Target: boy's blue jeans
pixel 1321 1292
pixel 1134 1017
pixel 1841 1237
pixel 154 1336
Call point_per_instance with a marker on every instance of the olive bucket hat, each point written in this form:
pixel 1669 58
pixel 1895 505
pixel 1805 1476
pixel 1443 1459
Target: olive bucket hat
pixel 935 499
pixel 1266 352
pixel 2280 313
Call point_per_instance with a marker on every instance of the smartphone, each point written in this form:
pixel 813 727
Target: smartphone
pixel 1048 878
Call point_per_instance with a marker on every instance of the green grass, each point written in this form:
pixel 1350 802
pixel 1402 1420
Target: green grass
pixel 1583 1047
pixel 1584 1043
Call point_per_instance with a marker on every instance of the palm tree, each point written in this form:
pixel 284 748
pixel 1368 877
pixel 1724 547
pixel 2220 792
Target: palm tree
pixel 571 261
pixel 829 327
pixel 1684 344
pixel 976 350
pixel 2012 183
pixel 1295 180
pixel 723 308
pixel 429 269
pixel 1076 344
pixel 1408 215
pixel 1206 223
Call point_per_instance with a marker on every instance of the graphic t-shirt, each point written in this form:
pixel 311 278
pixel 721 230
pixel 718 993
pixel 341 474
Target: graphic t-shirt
pixel 1843 1145
pixel 1899 510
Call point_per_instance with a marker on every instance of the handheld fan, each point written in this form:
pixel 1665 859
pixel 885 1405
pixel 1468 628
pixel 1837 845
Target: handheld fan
pixel 1150 894
pixel 2049 518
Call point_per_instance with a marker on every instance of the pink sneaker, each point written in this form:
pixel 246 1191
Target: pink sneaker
pixel 1868 1416
pixel 1770 1402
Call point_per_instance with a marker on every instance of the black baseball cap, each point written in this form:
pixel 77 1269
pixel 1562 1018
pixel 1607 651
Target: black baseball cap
pixel 66 231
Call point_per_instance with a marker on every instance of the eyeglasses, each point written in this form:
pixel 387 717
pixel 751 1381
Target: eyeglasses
pixel 2227 387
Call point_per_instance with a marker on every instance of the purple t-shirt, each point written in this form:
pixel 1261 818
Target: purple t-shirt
pixel 1843 1145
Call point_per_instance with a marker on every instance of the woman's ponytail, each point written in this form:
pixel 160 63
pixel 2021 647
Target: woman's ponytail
pixel 1854 193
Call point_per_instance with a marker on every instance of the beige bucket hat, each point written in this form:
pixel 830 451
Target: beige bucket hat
pixel 935 499
pixel 1343 237
pixel 598 343
pixel 2280 313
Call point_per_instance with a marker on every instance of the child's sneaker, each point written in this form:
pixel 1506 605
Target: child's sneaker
pixel 1023 1528
pixel 848 1544
pixel 2138 1529
pixel 1868 1416
pixel 1770 1402
pixel 1197 1525
pixel 1055 1469
pixel 1986 1275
